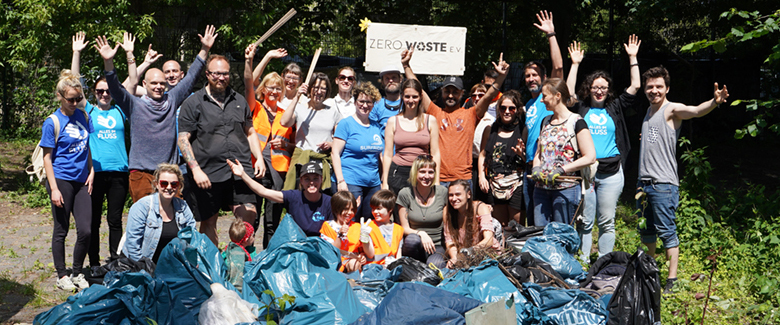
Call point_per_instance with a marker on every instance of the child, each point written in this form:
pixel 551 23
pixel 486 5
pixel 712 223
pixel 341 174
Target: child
pixel 239 250
pixel 343 206
pixel 386 237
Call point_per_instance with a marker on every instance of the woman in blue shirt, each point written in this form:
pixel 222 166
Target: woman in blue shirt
pixel 357 144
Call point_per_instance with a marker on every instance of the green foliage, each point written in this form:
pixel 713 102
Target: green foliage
pixel 275 309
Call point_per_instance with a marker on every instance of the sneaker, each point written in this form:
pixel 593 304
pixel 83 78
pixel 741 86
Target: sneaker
pixel 65 284
pixel 668 287
pixel 80 282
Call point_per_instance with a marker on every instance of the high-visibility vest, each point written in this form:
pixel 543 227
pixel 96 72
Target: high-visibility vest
pixel 280 158
pixel 331 235
pixel 381 248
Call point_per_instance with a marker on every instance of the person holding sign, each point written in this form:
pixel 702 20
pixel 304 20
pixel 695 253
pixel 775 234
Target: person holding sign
pixel 457 124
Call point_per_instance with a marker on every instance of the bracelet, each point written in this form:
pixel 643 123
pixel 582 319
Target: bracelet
pixel 550 34
pixel 130 60
pixel 342 181
pixel 494 87
pixel 634 64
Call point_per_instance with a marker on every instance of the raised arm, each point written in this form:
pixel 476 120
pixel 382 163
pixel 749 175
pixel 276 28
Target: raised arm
pixel 79 44
pixel 272 54
pixel 150 57
pixel 406 56
pixel 106 52
pixel 546 25
pixel 256 187
pixel 249 88
pixel 132 73
pixel 684 112
pixel 288 118
pixel 482 105
pixel 207 41
pixel 576 53
pixel 632 48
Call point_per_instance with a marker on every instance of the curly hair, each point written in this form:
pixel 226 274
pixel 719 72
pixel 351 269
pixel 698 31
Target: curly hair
pixel 584 92
pixel 368 89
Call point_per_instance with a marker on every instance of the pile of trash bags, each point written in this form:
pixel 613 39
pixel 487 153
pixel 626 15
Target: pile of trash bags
pixel 296 281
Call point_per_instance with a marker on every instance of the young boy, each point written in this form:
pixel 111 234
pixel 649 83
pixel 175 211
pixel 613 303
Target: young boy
pixel 385 236
pixel 239 250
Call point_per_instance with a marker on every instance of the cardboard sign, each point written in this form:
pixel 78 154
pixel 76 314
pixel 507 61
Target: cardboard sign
pixel 438 50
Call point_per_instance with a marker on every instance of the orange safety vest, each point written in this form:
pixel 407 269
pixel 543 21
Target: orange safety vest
pixel 381 249
pixel 280 158
pixel 327 231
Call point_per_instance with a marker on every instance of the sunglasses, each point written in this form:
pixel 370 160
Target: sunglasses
pixel 343 77
pixel 511 108
pixel 477 95
pixel 101 91
pixel 74 100
pixel 164 184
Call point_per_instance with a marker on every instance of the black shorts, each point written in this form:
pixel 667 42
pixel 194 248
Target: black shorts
pixel 205 203
pixel 516 202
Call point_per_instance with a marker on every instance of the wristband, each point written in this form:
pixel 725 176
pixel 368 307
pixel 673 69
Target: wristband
pixel 634 64
pixel 550 34
pixel 342 181
pixel 130 60
pixel 494 87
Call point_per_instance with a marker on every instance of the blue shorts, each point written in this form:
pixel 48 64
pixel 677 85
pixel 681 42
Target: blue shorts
pixel 662 202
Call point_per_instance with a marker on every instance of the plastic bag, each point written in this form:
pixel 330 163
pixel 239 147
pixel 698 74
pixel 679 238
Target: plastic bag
pixel 226 308
pixel 122 264
pixel 414 270
pixel 637 299
pixel 567 306
pixel 525 268
pixel 556 247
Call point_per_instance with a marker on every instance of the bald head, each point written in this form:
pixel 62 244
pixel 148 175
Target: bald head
pixel 173 73
pixel 154 83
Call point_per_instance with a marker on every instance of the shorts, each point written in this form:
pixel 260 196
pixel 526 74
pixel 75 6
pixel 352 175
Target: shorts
pixel 517 201
pixel 662 201
pixel 206 203
pixel 140 184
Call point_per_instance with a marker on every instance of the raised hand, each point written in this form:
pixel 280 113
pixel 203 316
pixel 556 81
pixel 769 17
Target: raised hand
pixel 303 89
pixel 519 148
pixel 105 50
pixel 151 55
pixel 277 53
pixel 236 167
pixel 632 48
pixel 545 22
pixel 406 56
pixel 501 67
pixel 721 94
pixel 365 231
pixel 209 36
pixel 79 42
pixel 576 52
pixel 129 42
pixel 249 52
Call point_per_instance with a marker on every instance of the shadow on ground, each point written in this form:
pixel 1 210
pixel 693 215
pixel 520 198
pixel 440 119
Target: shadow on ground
pixel 13 297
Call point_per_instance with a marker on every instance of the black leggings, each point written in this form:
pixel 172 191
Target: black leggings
pixel 111 186
pixel 413 248
pixel 77 200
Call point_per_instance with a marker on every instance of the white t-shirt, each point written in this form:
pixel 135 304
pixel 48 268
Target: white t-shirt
pixel 314 126
pixel 286 101
pixel 345 107
pixel 486 120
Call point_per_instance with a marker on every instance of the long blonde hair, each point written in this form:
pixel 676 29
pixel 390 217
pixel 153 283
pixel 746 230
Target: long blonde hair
pixel 272 78
pixel 169 168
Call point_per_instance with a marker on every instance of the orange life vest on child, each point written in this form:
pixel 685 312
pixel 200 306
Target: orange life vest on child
pixel 280 158
pixel 381 248
pixel 331 235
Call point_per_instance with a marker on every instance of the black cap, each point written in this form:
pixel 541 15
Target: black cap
pixel 311 167
pixel 453 81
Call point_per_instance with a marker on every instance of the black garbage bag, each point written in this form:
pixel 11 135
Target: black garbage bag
pixel 123 263
pixel 414 270
pixel 525 268
pixel 637 299
pixel 611 258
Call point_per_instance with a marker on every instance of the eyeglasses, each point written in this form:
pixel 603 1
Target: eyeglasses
pixel 101 91
pixel 218 74
pixel 511 108
pixel 292 78
pixel 164 184
pixel 74 100
pixel 320 89
pixel 595 89
pixel 343 77
pixel 273 89
pixel 365 102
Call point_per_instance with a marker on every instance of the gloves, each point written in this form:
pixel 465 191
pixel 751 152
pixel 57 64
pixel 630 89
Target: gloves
pixel 365 231
pixel 553 175
pixel 536 174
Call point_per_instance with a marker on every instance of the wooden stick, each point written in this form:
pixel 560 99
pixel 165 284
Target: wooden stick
pixel 276 26
pixel 313 64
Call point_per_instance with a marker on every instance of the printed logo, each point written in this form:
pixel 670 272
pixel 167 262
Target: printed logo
pixel 108 123
pixel 652 135
pixel 532 111
pixel 377 140
pixel 317 217
pixel 599 119
pixel 76 131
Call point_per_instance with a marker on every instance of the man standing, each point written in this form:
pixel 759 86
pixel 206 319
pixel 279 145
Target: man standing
pixel 389 105
pixel 535 110
pixel 153 115
pixel 658 163
pixel 457 124
pixel 215 124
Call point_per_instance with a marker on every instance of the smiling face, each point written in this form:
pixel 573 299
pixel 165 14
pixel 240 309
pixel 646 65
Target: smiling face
pixel 70 99
pixel 549 98
pixel 411 99
pixel 219 75
pixel 363 105
pixel 168 185
pixel 425 176
pixel 507 111
pixel 451 96
pixel 102 94
pixel 458 196
pixel 173 73
pixel 319 92
pixel 272 93
pixel 381 214
pixel 310 183
pixel 291 83
pixel 598 92
pixel 346 215
pixel 533 80
pixel 345 80
pixel 154 83
pixel 656 90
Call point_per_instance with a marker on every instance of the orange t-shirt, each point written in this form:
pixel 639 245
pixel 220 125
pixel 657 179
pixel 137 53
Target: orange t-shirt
pixel 456 135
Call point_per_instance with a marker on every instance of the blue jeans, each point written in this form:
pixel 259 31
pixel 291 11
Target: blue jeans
pixel 555 205
pixel 662 201
pixel 528 195
pixel 600 204
pixel 364 194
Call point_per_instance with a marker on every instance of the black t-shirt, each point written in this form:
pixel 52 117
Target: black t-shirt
pixel 169 231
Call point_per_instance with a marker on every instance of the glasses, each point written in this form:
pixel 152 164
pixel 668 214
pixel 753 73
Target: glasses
pixel 596 89
pixel 365 102
pixel 164 184
pixel 218 75
pixel 320 89
pixel 504 108
pixel 292 78
pixel 74 100
pixel 477 95
pixel 101 91
pixel 273 89
pixel 343 77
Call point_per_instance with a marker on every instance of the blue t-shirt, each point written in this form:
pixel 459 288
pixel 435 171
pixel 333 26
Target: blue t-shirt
pixel 71 155
pixel 535 112
pixel 360 158
pixel 383 110
pixel 602 130
pixel 107 143
pixel 308 215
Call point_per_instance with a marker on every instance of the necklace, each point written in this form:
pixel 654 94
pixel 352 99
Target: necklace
pixel 424 206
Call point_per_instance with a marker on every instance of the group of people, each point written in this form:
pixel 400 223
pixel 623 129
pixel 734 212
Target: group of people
pixel 379 177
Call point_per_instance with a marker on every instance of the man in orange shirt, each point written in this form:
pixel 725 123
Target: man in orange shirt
pixel 457 124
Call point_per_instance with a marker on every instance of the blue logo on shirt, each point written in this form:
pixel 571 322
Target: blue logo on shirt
pixel 317 217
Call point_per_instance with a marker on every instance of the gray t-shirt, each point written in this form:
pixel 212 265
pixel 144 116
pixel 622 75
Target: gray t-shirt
pixel 314 126
pixel 428 218
pixel 657 151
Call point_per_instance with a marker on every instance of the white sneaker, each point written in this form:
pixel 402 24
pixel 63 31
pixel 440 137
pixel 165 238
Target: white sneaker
pixel 80 282
pixel 65 284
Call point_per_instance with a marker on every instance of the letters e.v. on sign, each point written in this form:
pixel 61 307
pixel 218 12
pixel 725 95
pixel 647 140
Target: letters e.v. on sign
pixel 438 50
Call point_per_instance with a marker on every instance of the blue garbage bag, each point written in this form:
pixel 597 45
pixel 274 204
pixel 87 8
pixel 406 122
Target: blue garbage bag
pixel 304 268
pixel 556 247
pixel 373 283
pixel 487 283
pixel 189 265
pixel 418 303
pixel 567 306
pixel 126 298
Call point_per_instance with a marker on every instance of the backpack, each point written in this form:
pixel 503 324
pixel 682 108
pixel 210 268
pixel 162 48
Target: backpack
pixel 37 169
pixel 588 173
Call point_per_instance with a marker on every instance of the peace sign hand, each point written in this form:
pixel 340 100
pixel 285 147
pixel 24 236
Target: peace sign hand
pixel 365 231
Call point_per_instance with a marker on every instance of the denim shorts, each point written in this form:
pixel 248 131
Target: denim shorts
pixel 662 202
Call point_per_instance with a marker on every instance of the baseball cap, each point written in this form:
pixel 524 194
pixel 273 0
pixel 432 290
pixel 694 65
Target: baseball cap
pixel 390 68
pixel 453 81
pixel 311 167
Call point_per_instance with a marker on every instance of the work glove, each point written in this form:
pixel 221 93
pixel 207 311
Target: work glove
pixel 365 231
pixel 536 174
pixel 553 175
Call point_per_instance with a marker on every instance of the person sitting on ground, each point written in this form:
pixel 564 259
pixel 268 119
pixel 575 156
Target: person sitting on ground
pixel 157 218
pixel 387 248
pixel 241 249
pixel 343 205
pixel 309 207
pixel 468 223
